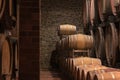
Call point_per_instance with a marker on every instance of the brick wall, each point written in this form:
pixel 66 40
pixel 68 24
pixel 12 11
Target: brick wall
pixel 29 40
pixel 54 13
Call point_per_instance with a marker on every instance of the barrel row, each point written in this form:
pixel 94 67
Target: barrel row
pixel 106 44
pixel 86 68
pixel 97 11
pixel 77 41
pixel 102 18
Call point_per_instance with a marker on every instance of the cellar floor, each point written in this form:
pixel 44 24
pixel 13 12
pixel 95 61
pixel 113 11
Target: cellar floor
pixel 51 75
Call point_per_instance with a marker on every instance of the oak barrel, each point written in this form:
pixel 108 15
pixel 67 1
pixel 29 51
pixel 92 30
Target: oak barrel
pixel 77 71
pixel 66 29
pixel 91 68
pixel 80 41
pixel 58 45
pixel 91 74
pixel 63 44
pixel 81 73
pixel 104 8
pixel 69 68
pixel 15 67
pixel 86 12
pixel 6 57
pixel 107 76
pixel 84 61
pixel 94 13
pixel 115 5
pixel 2 7
pixel 99 43
pixel 111 44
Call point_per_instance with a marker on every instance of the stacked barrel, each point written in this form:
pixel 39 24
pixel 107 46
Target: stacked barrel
pixel 65 47
pixel 101 19
pixel 70 42
pixel 83 68
pixel 77 41
pixel 86 68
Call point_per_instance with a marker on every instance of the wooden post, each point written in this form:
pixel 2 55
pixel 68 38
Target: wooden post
pixel 29 40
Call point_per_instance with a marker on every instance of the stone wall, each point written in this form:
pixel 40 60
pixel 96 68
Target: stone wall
pixel 54 13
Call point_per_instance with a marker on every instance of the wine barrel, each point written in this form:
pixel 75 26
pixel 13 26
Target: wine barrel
pixel 66 29
pixel 86 14
pixel 59 45
pixel 107 76
pixel 83 61
pixel 63 44
pixel 2 7
pixel 99 43
pixel 115 5
pixel 66 67
pixel 77 71
pixel 81 70
pixel 80 41
pixel 104 8
pixel 2 39
pixel 12 8
pixel 15 67
pixel 69 66
pixel 6 57
pixel 94 13
pixel 91 74
pixel 111 44
pixel 64 63
pixel 93 67
pixel 92 50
